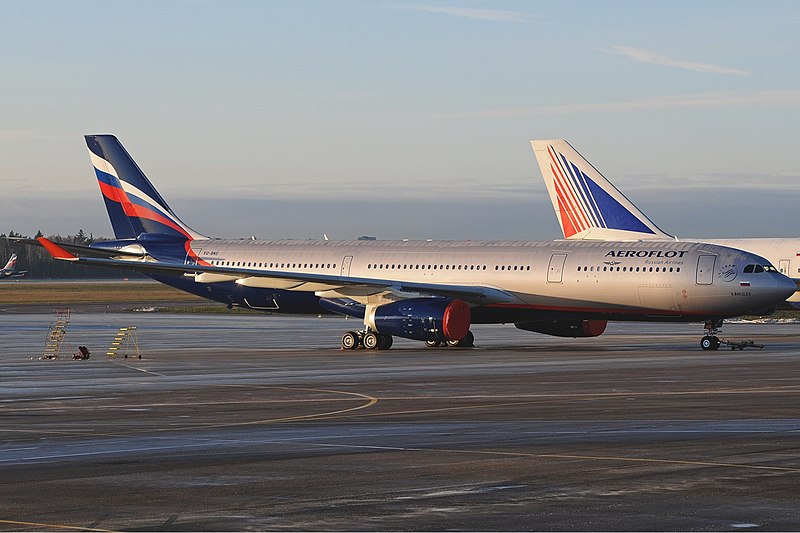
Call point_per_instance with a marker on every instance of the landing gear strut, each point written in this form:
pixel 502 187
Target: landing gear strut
pixel 710 341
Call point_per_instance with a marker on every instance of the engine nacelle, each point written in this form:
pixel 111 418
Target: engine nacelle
pixel 423 319
pixel 566 328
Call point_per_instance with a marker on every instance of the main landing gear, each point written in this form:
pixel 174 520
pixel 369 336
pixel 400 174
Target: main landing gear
pixel 466 342
pixel 372 340
pixel 710 341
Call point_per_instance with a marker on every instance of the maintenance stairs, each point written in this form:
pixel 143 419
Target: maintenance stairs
pixel 126 343
pixel 57 334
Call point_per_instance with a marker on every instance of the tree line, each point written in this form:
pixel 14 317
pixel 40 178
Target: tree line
pixel 40 265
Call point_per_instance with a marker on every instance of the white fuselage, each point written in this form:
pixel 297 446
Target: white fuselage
pixel 640 280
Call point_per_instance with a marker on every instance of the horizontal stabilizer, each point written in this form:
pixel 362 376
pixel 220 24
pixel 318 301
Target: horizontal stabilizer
pixel 89 251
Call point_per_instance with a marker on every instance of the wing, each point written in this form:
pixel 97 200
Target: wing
pixel 352 287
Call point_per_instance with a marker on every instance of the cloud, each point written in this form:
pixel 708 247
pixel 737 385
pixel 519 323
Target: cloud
pixel 475 14
pixel 696 100
pixel 646 56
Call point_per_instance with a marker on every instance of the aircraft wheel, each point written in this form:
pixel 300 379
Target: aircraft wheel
pixel 385 342
pixel 433 344
pixel 370 341
pixel 468 341
pixel 709 342
pixel 350 340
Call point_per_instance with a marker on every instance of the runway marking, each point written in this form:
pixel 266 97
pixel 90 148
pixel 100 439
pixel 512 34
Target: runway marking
pixel 139 369
pixel 370 401
pixel 782 469
pixel 54 526
pixel 545 398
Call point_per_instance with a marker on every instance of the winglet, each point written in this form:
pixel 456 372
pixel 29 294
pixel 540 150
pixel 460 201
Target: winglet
pixel 55 250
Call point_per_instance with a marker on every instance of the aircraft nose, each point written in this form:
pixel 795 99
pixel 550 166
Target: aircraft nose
pixel 784 287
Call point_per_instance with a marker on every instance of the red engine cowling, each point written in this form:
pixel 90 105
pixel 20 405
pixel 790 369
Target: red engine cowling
pixel 566 328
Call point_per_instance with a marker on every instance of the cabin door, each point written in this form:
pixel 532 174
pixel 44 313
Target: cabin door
pixel 191 256
pixel 346 265
pixel 555 272
pixel 705 269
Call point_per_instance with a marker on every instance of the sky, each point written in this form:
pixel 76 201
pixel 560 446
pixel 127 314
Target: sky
pixel 294 119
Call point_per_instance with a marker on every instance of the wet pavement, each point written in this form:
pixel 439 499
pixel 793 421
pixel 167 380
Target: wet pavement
pixel 261 423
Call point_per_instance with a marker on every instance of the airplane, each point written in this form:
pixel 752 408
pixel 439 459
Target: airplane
pixel 431 291
pixel 10 270
pixel 589 207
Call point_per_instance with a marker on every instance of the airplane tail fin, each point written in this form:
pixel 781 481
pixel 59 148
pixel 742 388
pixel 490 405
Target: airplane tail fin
pixel 12 263
pixel 587 205
pixel 133 204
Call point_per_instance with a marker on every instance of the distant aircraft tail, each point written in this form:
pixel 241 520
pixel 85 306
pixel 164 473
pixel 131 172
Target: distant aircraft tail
pixel 12 263
pixel 587 205
pixel 133 204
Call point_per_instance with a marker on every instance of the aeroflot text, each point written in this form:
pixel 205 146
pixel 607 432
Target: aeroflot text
pixel 645 253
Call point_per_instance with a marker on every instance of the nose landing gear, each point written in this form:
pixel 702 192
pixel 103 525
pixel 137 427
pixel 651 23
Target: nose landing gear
pixel 710 341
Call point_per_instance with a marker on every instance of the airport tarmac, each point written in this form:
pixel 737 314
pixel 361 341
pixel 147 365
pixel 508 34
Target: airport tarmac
pixel 261 423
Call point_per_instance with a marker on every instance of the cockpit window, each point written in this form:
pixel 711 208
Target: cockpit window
pixel 758 269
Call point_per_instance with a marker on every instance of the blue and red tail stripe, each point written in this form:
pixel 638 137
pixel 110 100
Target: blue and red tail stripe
pixel 584 204
pixel 133 204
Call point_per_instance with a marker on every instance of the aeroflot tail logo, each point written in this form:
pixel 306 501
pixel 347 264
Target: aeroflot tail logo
pixel 583 204
pixel 646 253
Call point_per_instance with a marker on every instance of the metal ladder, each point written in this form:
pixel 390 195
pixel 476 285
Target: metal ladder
pixel 126 343
pixel 57 334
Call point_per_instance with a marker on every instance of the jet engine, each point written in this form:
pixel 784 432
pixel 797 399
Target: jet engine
pixel 424 319
pixel 566 328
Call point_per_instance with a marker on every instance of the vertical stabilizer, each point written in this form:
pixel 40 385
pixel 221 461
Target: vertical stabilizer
pixel 133 204
pixel 587 205
pixel 12 263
